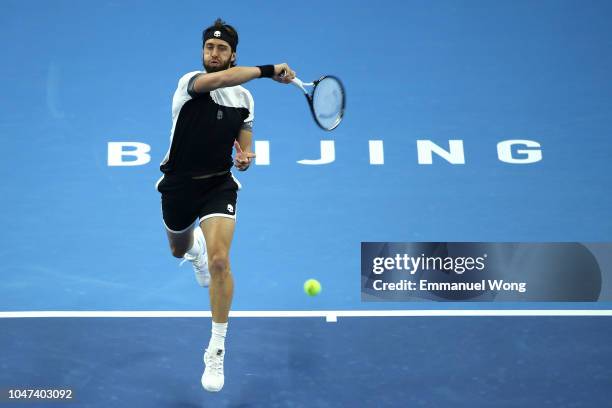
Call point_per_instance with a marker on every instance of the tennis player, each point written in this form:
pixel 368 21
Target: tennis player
pixel 211 114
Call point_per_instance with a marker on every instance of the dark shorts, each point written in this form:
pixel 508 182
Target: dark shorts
pixel 184 199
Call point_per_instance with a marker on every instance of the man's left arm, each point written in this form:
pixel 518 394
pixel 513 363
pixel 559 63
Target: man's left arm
pixel 243 146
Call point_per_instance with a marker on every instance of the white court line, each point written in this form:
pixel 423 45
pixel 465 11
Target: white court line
pixel 329 315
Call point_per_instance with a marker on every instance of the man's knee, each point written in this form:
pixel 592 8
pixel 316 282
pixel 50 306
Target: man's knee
pixel 177 252
pixel 218 263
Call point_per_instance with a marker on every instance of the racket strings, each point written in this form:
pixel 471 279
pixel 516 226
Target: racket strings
pixel 328 102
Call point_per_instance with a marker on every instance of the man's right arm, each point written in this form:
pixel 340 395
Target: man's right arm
pixel 238 76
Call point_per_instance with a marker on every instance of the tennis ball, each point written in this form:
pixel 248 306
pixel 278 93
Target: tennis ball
pixel 312 287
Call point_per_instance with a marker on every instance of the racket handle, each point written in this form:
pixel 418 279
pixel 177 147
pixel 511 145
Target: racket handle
pixel 295 81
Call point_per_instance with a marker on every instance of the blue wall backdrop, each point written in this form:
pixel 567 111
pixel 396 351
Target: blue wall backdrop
pixel 80 235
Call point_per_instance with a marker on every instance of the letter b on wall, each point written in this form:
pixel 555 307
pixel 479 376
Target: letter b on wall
pixel 128 154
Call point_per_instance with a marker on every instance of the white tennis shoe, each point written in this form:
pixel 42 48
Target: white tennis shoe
pixel 213 377
pixel 199 262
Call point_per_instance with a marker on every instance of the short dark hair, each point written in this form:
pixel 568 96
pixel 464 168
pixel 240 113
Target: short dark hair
pixel 219 24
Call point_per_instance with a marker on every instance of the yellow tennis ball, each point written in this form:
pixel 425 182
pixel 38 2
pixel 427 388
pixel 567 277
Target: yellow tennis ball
pixel 312 287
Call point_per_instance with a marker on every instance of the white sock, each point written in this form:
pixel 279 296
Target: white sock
pixel 196 249
pixel 217 339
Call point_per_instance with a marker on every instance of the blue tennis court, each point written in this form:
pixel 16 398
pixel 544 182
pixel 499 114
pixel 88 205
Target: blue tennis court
pixel 305 362
pixel 92 300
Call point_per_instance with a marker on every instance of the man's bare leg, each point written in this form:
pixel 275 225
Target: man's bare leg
pixel 180 242
pixel 190 245
pixel 218 232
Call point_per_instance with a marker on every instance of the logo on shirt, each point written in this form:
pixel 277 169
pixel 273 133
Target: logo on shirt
pixel 230 208
pixel 219 114
pixel 217 34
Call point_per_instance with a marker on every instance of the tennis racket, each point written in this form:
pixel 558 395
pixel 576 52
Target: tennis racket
pixel 326 98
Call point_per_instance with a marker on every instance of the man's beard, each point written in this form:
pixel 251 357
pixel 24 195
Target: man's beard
pixel 216 68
